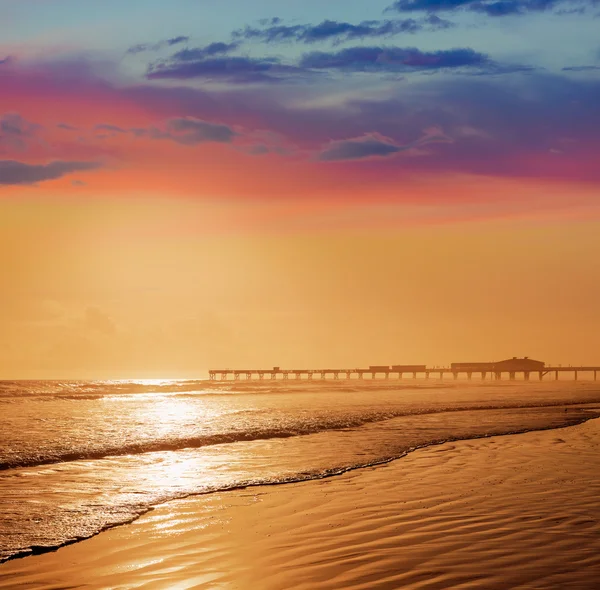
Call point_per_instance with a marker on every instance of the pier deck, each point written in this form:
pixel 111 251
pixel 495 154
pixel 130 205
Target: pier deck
pixel 381 373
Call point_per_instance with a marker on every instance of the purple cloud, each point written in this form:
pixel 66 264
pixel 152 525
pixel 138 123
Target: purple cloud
pixel 189 131
pixel 16 132
pixel 580 68
pixel 111 128
pixel 543 125
pixel 199 53
pixel 14 173
pixel 230 69
pixel 375 146
pixel 337 31
pixel 393 59
pixel 143 47
pixel 494 8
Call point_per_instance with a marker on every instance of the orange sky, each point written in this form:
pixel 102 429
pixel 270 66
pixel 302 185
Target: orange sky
pixel 153 287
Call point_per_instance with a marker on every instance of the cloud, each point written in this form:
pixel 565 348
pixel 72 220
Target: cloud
pixel 230 69
pixel 354 149
pixel 373 145
pixel 5 61
pixel 190 131
pixel 494 8
pixel 111 128
pixel 518 119
pixel 580 68
pixel 394 59
pixel 143 47
pixel 199 53
pixel 13 124
pixel 67 127
pixel 15 173
pixel 177 40
pixel 16 132
pixel 337 31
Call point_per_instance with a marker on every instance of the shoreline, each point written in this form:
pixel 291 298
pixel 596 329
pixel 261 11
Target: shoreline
pixel 37 551
pixel 169 533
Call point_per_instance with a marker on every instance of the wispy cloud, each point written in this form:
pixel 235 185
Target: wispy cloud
pixel 580 68
pixel 199 53
pixel 143 47
pixel 16 132
pixel 370 146
pixel 109 128
pixel 493 8
pixel 234 69
pixel 189 131
pixel 338 31
pixel 393 59
pixel 13 172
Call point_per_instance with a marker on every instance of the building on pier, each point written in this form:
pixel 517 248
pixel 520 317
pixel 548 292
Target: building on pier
pixel 513 365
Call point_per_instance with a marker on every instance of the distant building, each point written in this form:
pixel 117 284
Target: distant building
pixel 509 365
pixel 517 364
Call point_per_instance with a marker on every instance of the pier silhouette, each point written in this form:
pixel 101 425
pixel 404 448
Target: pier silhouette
pixel 494 370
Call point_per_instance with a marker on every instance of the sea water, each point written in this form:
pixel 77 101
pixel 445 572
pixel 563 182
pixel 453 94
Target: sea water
pixel 79 457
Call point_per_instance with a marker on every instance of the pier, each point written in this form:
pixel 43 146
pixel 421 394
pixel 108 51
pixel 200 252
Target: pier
pixel 496 371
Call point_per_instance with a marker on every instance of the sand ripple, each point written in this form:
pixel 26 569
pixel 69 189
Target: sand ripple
pixel 518 511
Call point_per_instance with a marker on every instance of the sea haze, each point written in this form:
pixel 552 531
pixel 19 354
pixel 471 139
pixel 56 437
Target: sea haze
pixel 79 457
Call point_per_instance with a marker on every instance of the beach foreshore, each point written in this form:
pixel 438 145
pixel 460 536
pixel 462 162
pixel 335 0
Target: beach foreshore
pixel 515 511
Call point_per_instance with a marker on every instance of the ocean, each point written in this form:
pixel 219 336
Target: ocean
pixel 77 458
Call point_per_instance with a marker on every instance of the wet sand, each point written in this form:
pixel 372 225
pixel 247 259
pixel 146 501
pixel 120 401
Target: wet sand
pixel 517 511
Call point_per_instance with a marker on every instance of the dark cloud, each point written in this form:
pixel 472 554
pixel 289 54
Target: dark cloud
pixel 199 53
pixel 12 124
pixel 438 24
pixel 14 173
pixel 189 131
pixel 490 7
pixel 229 69
pixel 337 31
pixel 394 59
pixel 16 132
pixel 375 146
pixel 580 68
pixel 262 149
pixel 428 5
pixel 354 149
pixel 177 40
pixel 143 47
pixel 67 127
pixel 8 59
pixel 110 128
pixel 258 150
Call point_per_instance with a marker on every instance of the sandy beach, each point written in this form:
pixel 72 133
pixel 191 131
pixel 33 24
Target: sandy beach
pixel 516 511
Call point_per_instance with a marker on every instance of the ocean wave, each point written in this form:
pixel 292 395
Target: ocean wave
pixel 86 390
pixel 135 512
pixel 313 426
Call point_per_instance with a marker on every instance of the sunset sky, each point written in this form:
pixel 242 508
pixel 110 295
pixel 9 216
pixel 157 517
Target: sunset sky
pixel 199 184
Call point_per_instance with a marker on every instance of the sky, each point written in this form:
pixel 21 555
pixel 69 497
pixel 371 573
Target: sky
pixel 200 184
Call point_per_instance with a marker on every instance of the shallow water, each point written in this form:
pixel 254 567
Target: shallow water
pixel 78 457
